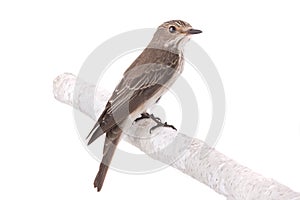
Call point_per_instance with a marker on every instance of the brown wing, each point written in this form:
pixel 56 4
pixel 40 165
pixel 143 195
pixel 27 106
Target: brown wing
pixel 143 79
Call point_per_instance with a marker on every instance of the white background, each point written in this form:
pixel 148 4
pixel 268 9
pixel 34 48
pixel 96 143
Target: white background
pixel 254 44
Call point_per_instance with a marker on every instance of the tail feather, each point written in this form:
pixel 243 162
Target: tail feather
pixel 98 183
pixel 111 142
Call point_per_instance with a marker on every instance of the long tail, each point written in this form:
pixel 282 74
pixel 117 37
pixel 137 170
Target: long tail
pixel 110 145
pixel 99 180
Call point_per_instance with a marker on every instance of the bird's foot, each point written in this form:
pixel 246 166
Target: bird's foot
pixel 157 120
pixel 160 124
pixel 148 116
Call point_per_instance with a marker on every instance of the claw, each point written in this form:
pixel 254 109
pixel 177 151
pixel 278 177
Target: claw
pixel 162 125
pixel 170 126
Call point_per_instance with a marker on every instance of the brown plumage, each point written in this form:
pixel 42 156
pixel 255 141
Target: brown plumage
pixel 147 78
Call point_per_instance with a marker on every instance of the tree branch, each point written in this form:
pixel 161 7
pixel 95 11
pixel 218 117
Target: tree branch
pixel 199 161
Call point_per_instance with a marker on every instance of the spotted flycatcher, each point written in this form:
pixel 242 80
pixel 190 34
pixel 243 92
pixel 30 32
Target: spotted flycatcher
pixel 143 83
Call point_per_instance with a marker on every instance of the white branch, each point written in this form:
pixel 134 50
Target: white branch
pixel 215 170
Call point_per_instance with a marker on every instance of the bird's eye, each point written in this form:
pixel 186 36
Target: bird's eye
pixel 172 29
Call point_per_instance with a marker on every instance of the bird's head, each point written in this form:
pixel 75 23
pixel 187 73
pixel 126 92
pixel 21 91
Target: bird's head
pixel 173 34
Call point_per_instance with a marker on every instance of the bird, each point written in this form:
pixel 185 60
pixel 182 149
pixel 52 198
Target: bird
pixel 142 85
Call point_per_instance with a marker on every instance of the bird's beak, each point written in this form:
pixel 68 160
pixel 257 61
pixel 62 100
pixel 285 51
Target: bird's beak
pixel 193 31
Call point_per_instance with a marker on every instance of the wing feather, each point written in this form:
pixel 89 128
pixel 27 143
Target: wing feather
pixel 141 81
